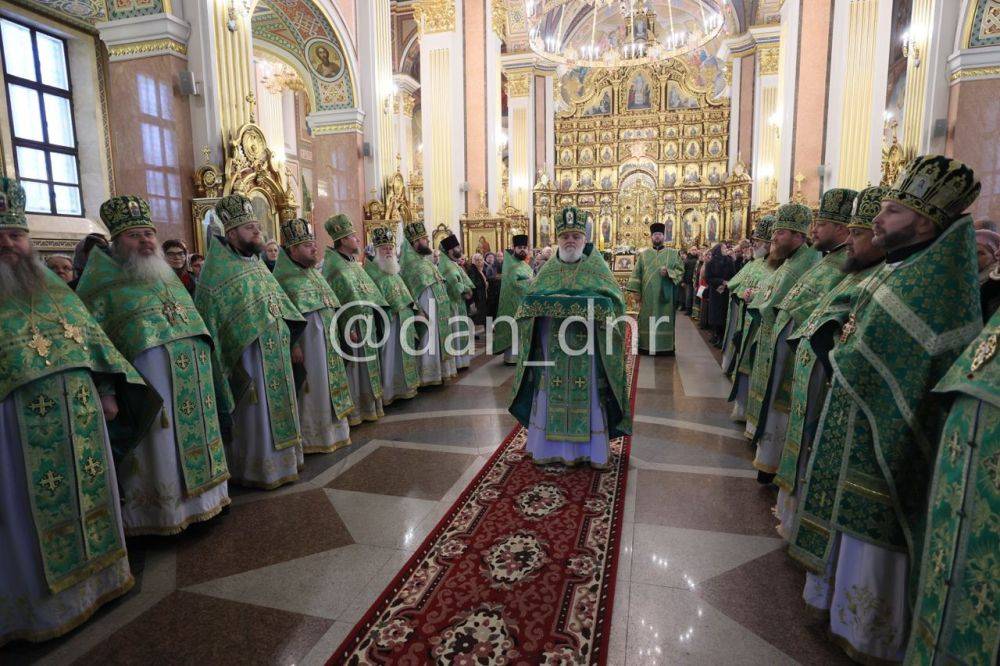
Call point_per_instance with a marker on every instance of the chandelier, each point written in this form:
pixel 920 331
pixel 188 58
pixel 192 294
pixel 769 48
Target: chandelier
pixel 612 33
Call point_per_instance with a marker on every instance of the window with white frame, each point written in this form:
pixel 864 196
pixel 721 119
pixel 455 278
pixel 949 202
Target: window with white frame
pixel 40 104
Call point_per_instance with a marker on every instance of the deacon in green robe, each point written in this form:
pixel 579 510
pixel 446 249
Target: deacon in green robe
pixel 324 398
pixel 459 289
pixel 177 474
pixel 254 325
pixel 829 236
pixel 745 279
pixel 658 270
pixel 436 351
pixel 957 613
pixel 68 398
pixel 358 330
pixel 859 524
pixel 400 366
pixel 810 374
pixel 515 280
pixel 573 404
pixel 788 242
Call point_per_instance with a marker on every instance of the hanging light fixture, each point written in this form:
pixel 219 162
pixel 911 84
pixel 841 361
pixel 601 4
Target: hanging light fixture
pixel 612 33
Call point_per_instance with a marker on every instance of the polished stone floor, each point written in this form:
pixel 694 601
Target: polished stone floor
pixel 703 577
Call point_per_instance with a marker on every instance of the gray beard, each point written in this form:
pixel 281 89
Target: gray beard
pixel 759 252
pixel 570 256
pixel 389 266
pixel 23 279
pixel 153 268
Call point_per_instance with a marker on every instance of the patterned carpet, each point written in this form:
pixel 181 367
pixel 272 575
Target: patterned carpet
pixel 521 569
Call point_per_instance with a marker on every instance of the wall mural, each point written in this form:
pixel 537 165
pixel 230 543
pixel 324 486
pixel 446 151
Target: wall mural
pixel 301 30
pixel 641 144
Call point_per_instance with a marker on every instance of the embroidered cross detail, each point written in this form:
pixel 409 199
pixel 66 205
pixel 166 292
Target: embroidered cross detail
pixel 823 499
pixel 556 381
pixel 93 467
pixel 274 384
pixel 187 408
pixel 40 344
pixel 209 402
pixel 41 405
pixel 580 382
pixel 269 345
pixel 172 311
pixel 938 561
pixel 202 356
pixel 82 394
pixel 984 352
pixel 992 467
pixel 51 481
pixel 182 362
pixel 274 308
pixel 954 448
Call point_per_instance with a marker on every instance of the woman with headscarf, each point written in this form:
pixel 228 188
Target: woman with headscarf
pixel 718 270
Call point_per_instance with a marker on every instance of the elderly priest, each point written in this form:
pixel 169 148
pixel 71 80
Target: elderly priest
pixel 67 399
pixel 572 403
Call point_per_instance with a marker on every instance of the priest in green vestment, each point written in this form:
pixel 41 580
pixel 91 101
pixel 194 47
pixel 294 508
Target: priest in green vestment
pixel 324 399
pixel 459 289
pixel 859 524
pixel 400 365
pixel 957 612
pixel 436 352
pixel 177 474
pixel 829 235
pixel 788 243
pixel 745 341
pixel 515 280
pixel 658 270
pixel 357 321
pixel 819 330
pixel 254 325
pixel 573 404
pixel 71 407
pixel 745 279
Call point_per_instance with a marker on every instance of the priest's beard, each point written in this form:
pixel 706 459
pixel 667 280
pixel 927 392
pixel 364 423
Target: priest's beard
pixel 521 254
pixel 23 278
pixel 760 252
pixel 856 265
pixel 570 256
pixel 657 246
pixel 143 269
pixel 388 265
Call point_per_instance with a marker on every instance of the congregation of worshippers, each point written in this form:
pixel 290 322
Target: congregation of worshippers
pixel 860 339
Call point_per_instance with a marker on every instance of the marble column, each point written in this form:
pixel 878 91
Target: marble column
pixel 766 163
pixel 402 121
pixel 338 180
pixel 809 93
pixel 149 119
pixel 484 27
pixel 522 129
pixel 442 110
pixel 738 52
pixel 377 89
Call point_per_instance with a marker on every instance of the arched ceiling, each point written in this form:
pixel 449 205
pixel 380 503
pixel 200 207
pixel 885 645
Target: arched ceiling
pixel 87 13
pixel 300 30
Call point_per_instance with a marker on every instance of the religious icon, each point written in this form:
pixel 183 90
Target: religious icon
pixel 566 156
pixel 586 155
pixel 483 247
pixel 325 59
pixel 713 227
pixel 639 97
pixel 668 229
pixel 714 178
pixel 678 99
pixel 671 151
pixel 606 229
pixel 602 107
pixel 693 149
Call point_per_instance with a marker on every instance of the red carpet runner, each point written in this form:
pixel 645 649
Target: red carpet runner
pixel 520 570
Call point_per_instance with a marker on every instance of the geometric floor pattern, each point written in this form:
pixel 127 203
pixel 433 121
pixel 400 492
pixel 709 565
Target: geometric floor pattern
pixel 283 578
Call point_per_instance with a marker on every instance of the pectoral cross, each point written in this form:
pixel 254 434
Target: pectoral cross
pixel 173 311
pixel 93 467
pixel 51 481
pixel 40 344
pixel 849 327
pixel 41 405
pixel 72 331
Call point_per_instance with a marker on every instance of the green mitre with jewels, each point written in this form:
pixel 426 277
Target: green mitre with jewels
pixel 936 187
pixel 867 206
pixel 794 217
pixel 125 212
pixel 559 291
pixel 12 202
pixel 836 205
pixel 138 315
pixel 571 219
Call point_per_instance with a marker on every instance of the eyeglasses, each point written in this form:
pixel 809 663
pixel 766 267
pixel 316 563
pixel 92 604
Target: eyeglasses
pixel 175 253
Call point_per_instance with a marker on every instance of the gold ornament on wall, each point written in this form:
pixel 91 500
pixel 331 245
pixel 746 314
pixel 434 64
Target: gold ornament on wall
pixel 768 59
pixel 518 84
pixel 434 15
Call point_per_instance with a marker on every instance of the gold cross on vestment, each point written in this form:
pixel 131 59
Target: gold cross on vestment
pixel 580 382
pixel 269 345
pixel 93 467
pixel 82 394
pixel 849 327
pixel 274 308
pixel 203 356
pixel 187 408
pixel 40 344
pixel 209 403
pixel 984 352
pixel 274 384
pixel 556 381
pixel 992 467
pixel 938 561
pixel 51 481
pixel 173 312
pixel 72 331
pixel 41 405
pixel 182 362
pixel 823 498
pixel 954 448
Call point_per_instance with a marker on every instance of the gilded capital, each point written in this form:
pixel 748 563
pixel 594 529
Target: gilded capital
pixel 434 15
pixel 499 11
pixel 518 84
pixel 768 55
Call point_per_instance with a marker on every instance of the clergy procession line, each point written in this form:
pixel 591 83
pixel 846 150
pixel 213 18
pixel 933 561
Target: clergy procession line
pixel 859 364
